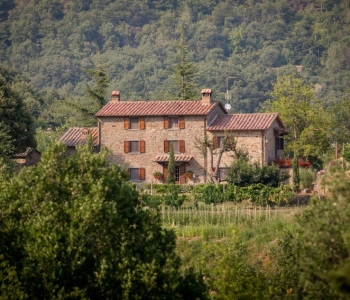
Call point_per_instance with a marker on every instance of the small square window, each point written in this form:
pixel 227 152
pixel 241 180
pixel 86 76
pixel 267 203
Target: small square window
pixel 134 173
pixel 137 174
pixel 134 123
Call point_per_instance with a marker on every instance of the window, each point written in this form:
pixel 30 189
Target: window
pixel 177 173
pixel 217 141
pixel 134 123
pixel 136 174
pixel 134 146
pixel 222 174
pixel 174 122
pixel 279 142
pixel 178 146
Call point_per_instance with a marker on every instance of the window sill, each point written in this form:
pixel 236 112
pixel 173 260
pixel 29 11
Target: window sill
pixel 174 129
pixel 134 153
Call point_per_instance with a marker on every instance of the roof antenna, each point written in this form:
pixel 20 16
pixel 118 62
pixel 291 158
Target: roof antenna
pixel 228 96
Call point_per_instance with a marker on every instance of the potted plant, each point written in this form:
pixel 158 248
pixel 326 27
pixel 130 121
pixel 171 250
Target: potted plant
pixel 157 175
pixel 189 174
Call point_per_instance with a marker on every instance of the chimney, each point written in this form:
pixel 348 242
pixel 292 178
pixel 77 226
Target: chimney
pixel 84 134
pixel 206 96
pixel 115 96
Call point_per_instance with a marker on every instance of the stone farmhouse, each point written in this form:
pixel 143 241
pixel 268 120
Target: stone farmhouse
pixel 138 134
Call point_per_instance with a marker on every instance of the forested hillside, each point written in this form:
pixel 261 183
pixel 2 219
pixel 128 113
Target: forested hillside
pixel 52 42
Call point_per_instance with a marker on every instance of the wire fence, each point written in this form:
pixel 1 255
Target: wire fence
pixel 221 214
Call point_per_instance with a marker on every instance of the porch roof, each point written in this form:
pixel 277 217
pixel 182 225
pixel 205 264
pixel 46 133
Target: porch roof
pixel 178 158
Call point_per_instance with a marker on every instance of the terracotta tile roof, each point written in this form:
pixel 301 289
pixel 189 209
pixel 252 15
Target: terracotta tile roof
pixel 25 153
pixel 178 158
pixel 77 136
pixel 155 108
pixel 244 121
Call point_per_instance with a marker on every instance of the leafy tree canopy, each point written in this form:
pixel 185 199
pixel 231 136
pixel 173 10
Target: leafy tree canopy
pixel 73 227
pixel 16 123
pixel 306 118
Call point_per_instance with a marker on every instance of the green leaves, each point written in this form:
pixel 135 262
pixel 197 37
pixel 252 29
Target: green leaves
pixel 73 227
pixel 16 125
pixel 307 120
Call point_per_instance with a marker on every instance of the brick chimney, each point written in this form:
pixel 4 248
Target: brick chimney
pixel 206 96
pixel 84 134
pixel 115 96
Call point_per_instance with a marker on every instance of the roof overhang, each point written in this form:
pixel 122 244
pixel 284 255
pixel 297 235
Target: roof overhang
pixel 280 131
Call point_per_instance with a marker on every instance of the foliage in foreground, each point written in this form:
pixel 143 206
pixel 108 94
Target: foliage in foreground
pixel 312 261
pixel 304 257
pixel 72 227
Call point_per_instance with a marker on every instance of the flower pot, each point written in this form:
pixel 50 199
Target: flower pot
pixel 158 176
pixel 189 175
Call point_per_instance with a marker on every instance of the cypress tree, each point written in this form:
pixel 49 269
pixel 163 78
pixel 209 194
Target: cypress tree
pixel 185 72
pixel 171 166
pixel 296 175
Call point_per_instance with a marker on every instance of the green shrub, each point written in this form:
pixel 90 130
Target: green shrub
pixel 347 153
pixel 243 173
pixel 307 177
pixel 212 194
pixel 172 197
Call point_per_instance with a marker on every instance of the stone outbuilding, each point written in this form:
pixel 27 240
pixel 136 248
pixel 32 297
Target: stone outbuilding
pixel 76 136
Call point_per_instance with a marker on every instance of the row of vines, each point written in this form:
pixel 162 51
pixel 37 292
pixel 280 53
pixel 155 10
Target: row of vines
pixel 257 194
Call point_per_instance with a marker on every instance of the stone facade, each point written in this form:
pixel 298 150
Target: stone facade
pixel 113 136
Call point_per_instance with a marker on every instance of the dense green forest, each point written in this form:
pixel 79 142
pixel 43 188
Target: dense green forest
pixel 54 42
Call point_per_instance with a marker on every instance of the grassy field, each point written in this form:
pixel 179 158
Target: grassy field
pixel 200 231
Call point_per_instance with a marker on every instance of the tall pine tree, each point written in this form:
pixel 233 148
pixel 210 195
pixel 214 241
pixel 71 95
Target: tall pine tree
pixel 185 72
pixel 16 126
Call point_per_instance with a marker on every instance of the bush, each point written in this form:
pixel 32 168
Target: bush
pixel 172 197
pixel 212 194
pixel 243 173
pixel 318 253
pixel 347 153
pixel 307 177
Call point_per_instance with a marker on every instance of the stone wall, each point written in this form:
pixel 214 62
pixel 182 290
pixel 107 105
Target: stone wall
pixel 259 144
pixel 113 136
pixel 249 140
